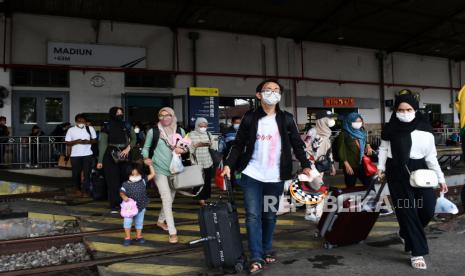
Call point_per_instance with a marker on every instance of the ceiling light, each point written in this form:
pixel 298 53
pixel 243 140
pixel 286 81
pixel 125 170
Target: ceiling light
pixel 201 20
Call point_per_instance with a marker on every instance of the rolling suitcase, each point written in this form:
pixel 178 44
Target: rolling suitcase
pixel 341 227
pixel 220 234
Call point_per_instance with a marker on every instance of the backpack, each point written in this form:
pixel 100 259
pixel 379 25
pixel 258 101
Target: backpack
pixel 93 147
pixel 156 138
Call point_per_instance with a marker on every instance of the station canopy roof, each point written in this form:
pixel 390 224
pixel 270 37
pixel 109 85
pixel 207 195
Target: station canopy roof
pixel 424 27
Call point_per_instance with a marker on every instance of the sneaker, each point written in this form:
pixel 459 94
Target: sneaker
pixel 127 242
pixel 140 240
pixel 114 211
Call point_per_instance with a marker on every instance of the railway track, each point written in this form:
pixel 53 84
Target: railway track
pixel 31 244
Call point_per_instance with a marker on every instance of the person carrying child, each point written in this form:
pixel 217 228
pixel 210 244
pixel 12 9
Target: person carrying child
pixel 135 190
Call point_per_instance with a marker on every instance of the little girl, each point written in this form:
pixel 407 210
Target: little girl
pixel 135 188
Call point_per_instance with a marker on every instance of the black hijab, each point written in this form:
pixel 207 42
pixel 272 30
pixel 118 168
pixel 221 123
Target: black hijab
pixel 116 128
pixel 398 133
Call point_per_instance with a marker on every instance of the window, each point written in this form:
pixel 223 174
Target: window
pixel 28 110
pixel 40 77
pixel 163 80
pixel 54 110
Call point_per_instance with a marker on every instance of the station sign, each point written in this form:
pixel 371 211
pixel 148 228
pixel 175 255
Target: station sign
pixel 95 55
pixel 338 102
pixel 204 102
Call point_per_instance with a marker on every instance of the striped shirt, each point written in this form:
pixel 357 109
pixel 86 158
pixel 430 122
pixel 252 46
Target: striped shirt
pixel 202 154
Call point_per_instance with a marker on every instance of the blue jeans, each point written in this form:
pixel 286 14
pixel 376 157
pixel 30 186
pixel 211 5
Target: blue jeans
pixel 261 201
pixel 138 221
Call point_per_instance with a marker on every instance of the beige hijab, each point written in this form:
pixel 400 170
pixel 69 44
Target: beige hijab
pixel 323 130
pixel 167 132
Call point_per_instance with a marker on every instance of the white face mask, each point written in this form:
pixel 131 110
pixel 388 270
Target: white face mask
pixel 271 98
pixel 406 117
pixel 236 126
pixel 81 125
pixel 357 125
pixel 136 130
pixel 331 123
pixel 202 129
pixel 135 178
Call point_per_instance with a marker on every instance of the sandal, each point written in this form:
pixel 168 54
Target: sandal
pixel 255 267
pixel 163 226
pixel 270 259
pixel 173 239
pixel 418 262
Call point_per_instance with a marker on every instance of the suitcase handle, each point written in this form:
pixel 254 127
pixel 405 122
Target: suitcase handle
pixel 202 240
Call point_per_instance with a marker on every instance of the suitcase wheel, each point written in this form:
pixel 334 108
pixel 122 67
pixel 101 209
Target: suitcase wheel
pixel 327 245
pixel 239 267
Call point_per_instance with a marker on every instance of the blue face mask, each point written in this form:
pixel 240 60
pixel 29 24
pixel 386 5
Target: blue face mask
pixel 236 126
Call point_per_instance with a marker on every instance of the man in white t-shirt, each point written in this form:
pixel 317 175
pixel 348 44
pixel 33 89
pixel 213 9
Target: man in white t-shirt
pixel 80 139
pixel 262 152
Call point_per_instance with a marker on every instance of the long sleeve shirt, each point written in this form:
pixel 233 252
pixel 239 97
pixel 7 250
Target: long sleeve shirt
pixel 423 146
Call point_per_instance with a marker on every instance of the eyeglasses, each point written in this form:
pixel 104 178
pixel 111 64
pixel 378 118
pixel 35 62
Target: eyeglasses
pixel 165 116
pixel 269 91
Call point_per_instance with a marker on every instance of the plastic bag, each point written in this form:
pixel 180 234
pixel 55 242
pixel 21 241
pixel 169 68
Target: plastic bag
pixel 176 165
pixel 445 206
pixel 129 208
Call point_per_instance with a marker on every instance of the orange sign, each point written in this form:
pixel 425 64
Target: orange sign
pixel 339 102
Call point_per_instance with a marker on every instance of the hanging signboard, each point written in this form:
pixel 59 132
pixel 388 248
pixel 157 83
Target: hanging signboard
pixel 338 102
pixel 95 55
pixel 204 102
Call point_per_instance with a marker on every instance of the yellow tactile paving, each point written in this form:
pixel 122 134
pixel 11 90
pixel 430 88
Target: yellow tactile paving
pixel 52 217
pixel 117 248
pixel 153 269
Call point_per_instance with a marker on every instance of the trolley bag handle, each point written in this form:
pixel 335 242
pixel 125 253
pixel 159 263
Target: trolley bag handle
pixel 372 187
pixel 229 191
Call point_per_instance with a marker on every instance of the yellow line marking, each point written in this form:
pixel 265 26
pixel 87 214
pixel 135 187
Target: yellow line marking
pixel 154 237
pixel 153 269
pixel 117 248
pixel 33 215
pixel 304 244
pixel 386 224
pixel 381 233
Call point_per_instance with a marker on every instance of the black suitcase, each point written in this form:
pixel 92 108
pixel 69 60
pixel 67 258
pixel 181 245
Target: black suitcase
pixel 346 228
pixel 98 187
pixel 220 234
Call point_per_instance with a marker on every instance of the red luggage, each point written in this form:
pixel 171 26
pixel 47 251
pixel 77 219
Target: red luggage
pixel 353 218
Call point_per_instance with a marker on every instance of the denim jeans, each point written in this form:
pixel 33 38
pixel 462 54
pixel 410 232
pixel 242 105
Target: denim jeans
pixel 261 201
pixel 138 221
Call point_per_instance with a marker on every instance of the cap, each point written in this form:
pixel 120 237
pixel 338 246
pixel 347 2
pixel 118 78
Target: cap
pixel 324 113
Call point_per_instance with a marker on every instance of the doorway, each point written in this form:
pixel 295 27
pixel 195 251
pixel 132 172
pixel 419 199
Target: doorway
pixel 45 109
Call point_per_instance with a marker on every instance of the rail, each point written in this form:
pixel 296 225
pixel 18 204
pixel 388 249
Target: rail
pixel 31 151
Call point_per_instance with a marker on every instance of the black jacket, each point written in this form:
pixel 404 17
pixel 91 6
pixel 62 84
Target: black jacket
pixel 243 147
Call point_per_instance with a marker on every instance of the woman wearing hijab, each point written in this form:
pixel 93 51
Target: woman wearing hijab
pixel 407 145
pixel 352 145
pixel 162 155
pixel 318 145
pixel 201 142
pixel 116 136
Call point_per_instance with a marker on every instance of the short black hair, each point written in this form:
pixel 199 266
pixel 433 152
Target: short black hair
pixel 260 85
pixel 138 166
pixel 235 118
pixel 80 116
pixel 2 118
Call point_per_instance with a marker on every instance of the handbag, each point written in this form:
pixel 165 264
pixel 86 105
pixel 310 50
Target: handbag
pixel 423 178
pixel 219 179
pixel 323 164
pixel 369 167
pixel 64 162
pixel 191 177
pixel 116 155
pixel 129 208
pixel 216 156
